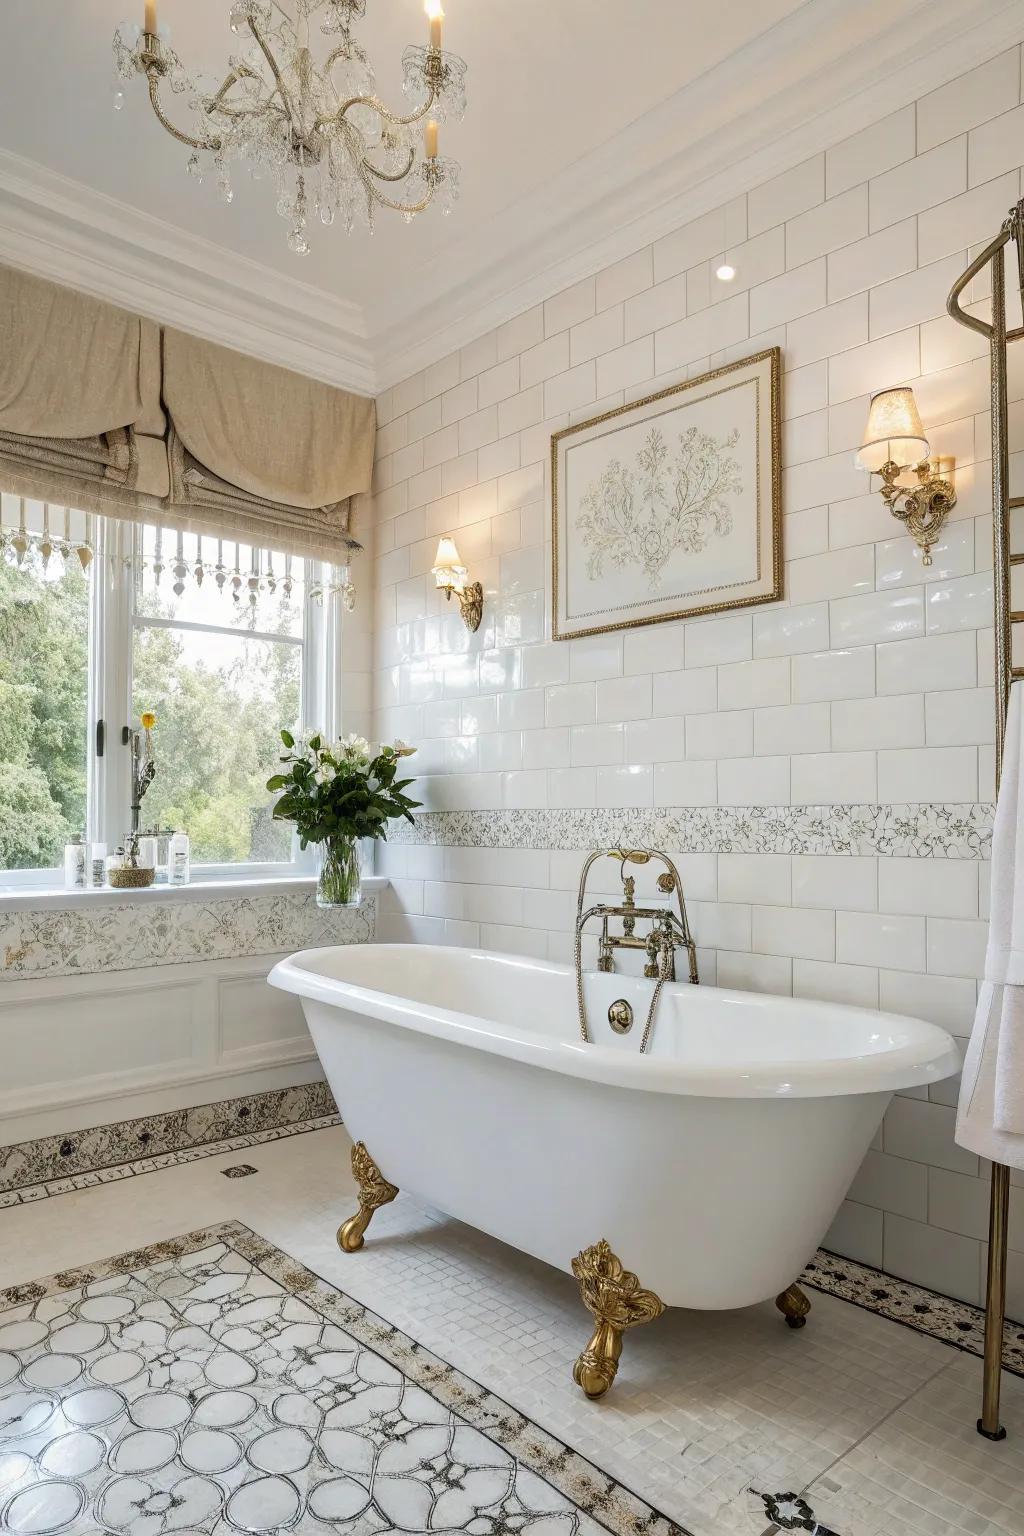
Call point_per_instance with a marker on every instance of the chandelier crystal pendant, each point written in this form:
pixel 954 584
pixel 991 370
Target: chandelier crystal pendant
pixel 317 129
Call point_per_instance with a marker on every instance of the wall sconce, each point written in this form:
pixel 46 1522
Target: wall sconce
pixel 450 575
pixel 895 444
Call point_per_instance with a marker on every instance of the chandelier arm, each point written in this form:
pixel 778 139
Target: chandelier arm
pixel 229 109
pixel 153 76
pixel 274 70
pixel 376 105
pixel 391 175
pixel 388 202
pixel 243 72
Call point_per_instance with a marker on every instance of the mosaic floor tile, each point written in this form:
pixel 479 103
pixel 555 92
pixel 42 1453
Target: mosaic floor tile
pixel 212 1383
pixel 711 1414
pixel 927 1471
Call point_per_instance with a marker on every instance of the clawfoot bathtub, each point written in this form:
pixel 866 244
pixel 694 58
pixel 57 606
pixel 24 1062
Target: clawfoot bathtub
pixel 712 1166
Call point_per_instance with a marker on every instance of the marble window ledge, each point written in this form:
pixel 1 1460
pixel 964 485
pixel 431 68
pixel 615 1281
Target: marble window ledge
pixel 56 899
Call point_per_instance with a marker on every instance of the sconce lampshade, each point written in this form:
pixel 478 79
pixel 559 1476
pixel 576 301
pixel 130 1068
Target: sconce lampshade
pixel 894 431
pixel 449 571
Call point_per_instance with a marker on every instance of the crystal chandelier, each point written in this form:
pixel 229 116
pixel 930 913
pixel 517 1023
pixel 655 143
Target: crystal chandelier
pixel 317 129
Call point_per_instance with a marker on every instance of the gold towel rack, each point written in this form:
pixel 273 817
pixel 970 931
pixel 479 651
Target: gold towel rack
pixel 1003 504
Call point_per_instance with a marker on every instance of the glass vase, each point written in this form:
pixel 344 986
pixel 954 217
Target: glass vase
pixel 338 873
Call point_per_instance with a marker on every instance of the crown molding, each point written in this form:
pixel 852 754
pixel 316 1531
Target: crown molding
pixel 60 229
pixel 809 82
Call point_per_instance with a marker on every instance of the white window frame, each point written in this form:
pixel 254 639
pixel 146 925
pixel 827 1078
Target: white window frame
pixel 112 626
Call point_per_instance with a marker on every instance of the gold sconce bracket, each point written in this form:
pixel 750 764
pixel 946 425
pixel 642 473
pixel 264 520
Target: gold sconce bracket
pixel 450 574
pixel 924 507
pixel 471 604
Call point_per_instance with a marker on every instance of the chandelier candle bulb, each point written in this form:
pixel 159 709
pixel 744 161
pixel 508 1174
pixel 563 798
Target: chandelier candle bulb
pixel 431 141
pixel 436 17
pixel 149 24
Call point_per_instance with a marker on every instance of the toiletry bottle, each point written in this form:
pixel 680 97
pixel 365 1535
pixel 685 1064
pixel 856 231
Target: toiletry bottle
pixel 147 852
pixel 98 865
pixel 178 859
pixel 76 856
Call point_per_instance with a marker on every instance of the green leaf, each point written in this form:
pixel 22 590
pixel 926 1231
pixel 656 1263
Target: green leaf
pixel 288 739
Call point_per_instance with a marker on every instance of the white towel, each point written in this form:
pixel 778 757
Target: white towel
pixel 990 1118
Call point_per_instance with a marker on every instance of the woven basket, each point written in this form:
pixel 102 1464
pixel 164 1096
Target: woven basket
pixel 131 879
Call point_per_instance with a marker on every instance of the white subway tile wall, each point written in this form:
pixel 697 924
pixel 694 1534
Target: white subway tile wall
pixel 870 682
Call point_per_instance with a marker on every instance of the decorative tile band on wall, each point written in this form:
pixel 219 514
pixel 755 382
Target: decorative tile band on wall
pixel 88 1152
pixel 78 941
pixel 899 831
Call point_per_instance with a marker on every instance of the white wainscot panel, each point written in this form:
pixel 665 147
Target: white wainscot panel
pixel 66 1042
pixel 258 1023
pixel 90 1050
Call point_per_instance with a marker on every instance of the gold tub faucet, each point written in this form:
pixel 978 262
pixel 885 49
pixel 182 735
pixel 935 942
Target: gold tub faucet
pixel 669 930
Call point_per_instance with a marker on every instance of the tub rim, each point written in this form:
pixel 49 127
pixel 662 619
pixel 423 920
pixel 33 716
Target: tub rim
pixel 930 1058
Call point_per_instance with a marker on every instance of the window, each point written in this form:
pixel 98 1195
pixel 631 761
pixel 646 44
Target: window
pixel 44 689
pixel 102 620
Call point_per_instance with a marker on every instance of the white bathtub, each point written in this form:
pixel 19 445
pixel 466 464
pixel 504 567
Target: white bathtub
pixel 713 1165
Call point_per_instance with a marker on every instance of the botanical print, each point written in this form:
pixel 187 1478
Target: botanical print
pixel 670 506
pixel 212 1383
pixel 639 513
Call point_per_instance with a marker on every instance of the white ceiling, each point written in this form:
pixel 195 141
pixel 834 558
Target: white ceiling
pixel 548 81
pixel 585 116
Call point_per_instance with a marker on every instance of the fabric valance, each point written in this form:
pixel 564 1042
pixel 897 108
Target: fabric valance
pixel 106 411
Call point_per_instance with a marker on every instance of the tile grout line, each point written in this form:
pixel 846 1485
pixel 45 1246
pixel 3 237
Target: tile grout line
pixel 946 1365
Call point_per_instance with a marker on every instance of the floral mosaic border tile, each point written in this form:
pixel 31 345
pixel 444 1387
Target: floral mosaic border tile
pixel 899 831
pixel 148 1139
pixel 305 1375
pixel 941 1317
pixel 28 1194
pixel 79 941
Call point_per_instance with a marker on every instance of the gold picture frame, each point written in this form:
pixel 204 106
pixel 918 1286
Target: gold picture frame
pixel 759 377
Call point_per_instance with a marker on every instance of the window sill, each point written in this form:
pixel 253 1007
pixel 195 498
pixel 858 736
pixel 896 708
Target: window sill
pixel 50 899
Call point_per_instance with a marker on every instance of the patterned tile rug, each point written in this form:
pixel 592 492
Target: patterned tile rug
pixel 213 1384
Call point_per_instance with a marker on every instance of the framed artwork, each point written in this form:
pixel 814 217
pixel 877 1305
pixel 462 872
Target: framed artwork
pixel 672 506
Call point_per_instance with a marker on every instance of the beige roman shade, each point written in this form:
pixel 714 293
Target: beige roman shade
pixel 79 387
pixel 103 410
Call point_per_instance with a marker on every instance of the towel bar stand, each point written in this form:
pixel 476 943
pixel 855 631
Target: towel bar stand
pixel 1003 505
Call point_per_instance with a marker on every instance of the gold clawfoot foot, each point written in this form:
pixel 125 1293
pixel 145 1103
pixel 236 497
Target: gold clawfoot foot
pixel 794 1306
pixel 374 1191
pixel 617 1300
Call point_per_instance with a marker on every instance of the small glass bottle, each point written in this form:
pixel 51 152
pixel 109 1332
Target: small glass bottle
pixel 98 866
pixel 147 852
pixel 178 859
pixel 76 856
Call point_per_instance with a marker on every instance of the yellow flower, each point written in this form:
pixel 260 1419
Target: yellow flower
pixel 148 720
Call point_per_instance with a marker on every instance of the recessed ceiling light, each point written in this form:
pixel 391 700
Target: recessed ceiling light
pixel 726 272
